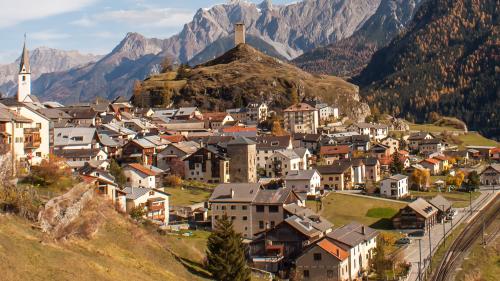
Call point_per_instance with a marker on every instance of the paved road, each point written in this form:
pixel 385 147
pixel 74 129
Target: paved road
pixel 436 234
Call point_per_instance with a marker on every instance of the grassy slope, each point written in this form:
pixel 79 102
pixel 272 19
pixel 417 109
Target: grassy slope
pixel 120 251
pixel 341 209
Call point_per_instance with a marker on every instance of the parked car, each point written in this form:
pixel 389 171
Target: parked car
pixel 418 233
pixel 451 215
pixel 403 241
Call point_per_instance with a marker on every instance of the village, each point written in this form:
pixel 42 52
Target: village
pixel 311 192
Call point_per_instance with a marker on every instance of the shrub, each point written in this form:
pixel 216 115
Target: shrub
pixel 173 180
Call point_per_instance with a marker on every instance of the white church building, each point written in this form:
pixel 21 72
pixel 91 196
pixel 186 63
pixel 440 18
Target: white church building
pixel 29 140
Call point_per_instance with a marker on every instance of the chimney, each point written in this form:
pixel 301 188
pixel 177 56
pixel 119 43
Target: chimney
pixel 239 33
pixel 363 230
pixel 232 193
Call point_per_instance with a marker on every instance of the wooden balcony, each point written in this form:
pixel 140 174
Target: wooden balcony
pixel 32 138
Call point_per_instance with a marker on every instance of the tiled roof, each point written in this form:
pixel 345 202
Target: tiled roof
pixel 432 161
pixel 300 175
pixel 237 129
pixel 273 196
pixel 235 192
pixel 422 207
pixel 241 141
pixel 333 150
pixel 440 203
pixel 270 142
pixel 143 169
pixel 300 107
pixel 215 116
pixel 73 136
pixel 352 234
pixel 333 249
pixel 174 138
pixel 336 168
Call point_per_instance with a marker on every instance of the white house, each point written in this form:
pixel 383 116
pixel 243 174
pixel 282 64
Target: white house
pixel 394 187
pixel 326 112
pixel 267 145
pixel 282 162
pixel 154 202
pixel 304 181
pixel 142 176
pixel 375 131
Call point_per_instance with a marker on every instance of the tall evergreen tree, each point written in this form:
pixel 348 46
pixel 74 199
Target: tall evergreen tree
pixel 396 166
pixel 226 253
pixel 116 171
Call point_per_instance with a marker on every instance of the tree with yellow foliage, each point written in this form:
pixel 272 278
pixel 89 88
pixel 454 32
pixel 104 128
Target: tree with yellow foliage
pixel 421 178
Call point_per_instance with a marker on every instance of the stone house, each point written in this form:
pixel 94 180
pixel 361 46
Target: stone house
pixel 207 165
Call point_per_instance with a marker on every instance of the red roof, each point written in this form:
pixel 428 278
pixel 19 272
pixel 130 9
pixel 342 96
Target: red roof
pixel 403 152
pixel 237 129
pixel 174 138
pixel 142 169
pixel 215 116
pixel 440 157
pixel 88 179
pixel 495 150
pixel 300 107
pixel 333 249
pixel 334 149
pixel 432 161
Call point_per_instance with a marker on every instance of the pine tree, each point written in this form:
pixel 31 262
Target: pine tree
pixel 226 253
pixel 294 96
pixel 396 166
pixel 116 171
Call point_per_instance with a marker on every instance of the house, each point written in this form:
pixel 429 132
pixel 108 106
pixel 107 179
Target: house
pixel 359 241
pixel 337 176
pixel 12 132
pixel 484 152
pixel 273 249
pixel 33 144
pixel 174 153
pixel 188 113
pixel 376 132
pixel 495 154
pixel 282 162
pixel 444 164
pixel 267 145
pixel 76 158
pixel 82 116
pixel 305 157
pixel 309 141
pixel 75 138
pixel 144 176
pixel 301 118
pixel 251 208
pixel 395 186
pixel 415 138
pixel 139 150
pixel 418 214
pixel 326 112
pixel 380 151
pixel 154 202
pixel 391 143
pixel 324 260
pixel 433 165
pixel 490 175
pixel 372 169
pixel 238 113
pixel 356 141
pixel 429 146
pixel 216 120
pixel 304 181
pixel 239 131
pixel 256 113
pixel 207 165
pixel 442 205
pixel 283 243
pixel 332 153
pixel 104 185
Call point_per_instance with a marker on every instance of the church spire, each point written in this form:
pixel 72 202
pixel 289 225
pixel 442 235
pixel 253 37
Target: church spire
pixel 24 66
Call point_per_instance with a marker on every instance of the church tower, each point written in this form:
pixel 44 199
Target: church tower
pixel 24 77
pixel 239 33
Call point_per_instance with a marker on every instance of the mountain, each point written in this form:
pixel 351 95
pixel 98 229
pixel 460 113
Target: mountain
pixel 348 56
pixel 244 75
pixel 42 60
pixel 283 30
pixel 446 63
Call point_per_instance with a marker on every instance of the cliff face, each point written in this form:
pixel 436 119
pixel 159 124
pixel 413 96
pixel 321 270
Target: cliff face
pixel 244 75
pixel 446 63
pixel 348 56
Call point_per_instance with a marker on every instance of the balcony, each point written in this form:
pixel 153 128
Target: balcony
pixel 32 139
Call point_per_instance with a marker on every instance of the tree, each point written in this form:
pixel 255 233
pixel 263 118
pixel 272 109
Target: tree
pixel 420 178
pixel 173 180
pixel 455 180
pixel 294 96
pixel 167 65
pixel 50 171
pixel 116 171
pixel 379 261
pixel 226 253
pixel 396 166
pixel 182 72
pixel 137 92
pixel 277 130
pixel 473 180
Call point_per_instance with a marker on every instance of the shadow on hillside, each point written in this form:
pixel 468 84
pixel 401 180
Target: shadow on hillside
pixel 382 224
pixel 193 267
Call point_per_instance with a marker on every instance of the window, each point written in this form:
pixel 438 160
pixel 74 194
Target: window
pixel 233 218
pixel 223 207
pixel 273 209
pixel 24 78
pixel 317 256
pixel 243 207
pixel 233 207
pixel 306 273
pixel 259 208
pixel 244 218
pixel 39 126
pixel 272 224
pixel 329 273
pixel 261 224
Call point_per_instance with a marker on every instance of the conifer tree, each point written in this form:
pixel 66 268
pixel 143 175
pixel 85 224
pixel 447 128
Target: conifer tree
pixel 396 166
pixel 116 171
pixel 226 253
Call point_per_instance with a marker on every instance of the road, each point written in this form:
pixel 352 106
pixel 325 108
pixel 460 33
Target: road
pixel 412 251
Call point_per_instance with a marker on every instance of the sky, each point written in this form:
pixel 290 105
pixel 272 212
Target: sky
pixel 91 26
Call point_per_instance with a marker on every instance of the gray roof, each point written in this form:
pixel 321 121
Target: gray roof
pixel 289 153
pixel 185 111
pixel 422 207
pixel 301 151
pixel 316 220
pixel 52 104
pixel 338 167
pixel 73 136
pixel 273 196
pixel 352 234
pixel 397 177
pixel 270 142
pixel 241 141
pixel 441 203
pixel 54 113
pixel 106 140
pixel 76 153
pixel 300 175
pixel 235 192
pixel 303 225
pixel 136 192
pixel 7 115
